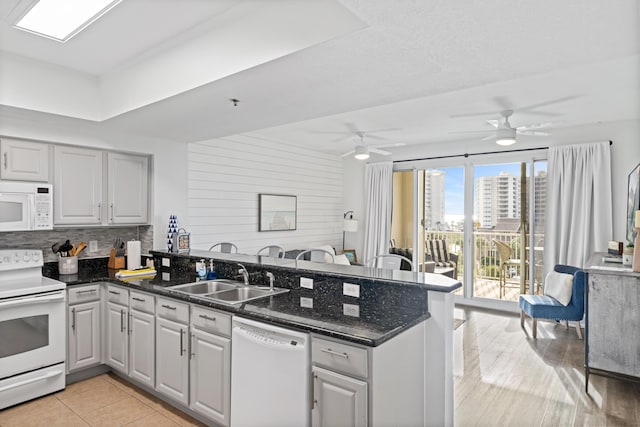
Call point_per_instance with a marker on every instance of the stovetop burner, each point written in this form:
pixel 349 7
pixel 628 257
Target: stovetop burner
pixel 21 273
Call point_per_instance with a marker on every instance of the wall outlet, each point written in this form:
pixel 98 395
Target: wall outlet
pixel 93 246
pixel 306 283
pixel 306 302
pixel 166 262
pixel 351 290
pixel 351 310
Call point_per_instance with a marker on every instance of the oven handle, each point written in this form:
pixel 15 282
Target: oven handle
pixel 31 380
pixel 33 299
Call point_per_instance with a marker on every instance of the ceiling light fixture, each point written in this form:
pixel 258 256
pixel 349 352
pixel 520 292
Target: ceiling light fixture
pixel 506 136
pixel 60 20
pixel 361 152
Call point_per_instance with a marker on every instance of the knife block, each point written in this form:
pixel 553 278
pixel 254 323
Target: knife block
pixel 114 261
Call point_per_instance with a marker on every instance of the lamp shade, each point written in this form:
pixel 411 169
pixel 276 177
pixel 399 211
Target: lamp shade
pixel 350 225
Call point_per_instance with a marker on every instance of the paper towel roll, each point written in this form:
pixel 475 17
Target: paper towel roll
pixel 133 254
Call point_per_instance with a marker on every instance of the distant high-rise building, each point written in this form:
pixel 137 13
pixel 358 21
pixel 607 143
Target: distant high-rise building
pixel 497 197
pixel 540 200
pixel 434 199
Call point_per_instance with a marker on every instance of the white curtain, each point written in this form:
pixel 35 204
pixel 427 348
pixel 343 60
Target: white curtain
pixel 379 187
pixel 578 215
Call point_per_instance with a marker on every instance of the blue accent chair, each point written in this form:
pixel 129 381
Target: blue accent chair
pixel 544 307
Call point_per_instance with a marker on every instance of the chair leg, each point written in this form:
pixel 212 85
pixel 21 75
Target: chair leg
pixel 579 330
pixel 566 325
pixel 534 328
pixel 522 319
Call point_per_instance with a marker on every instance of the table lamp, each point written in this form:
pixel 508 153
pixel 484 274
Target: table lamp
pixel 350 225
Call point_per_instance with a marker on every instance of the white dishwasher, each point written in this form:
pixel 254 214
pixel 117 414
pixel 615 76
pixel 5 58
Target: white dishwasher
pixel 270 374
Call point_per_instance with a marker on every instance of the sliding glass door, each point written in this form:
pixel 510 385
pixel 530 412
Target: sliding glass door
pixel 502 223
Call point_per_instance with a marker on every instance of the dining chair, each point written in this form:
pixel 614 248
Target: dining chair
pixel 224 247
pixel 316 255
pixel 389 262
pixel 274 251
pixel 506 262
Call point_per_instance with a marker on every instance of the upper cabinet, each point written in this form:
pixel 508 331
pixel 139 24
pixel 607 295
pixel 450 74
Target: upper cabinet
pixel 128 178
pixel 24 160
pixel 77 187
pixel 99 188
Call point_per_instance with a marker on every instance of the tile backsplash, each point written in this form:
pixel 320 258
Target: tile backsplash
pixel 104 235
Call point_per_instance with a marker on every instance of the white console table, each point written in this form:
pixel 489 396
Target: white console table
pixel 612 347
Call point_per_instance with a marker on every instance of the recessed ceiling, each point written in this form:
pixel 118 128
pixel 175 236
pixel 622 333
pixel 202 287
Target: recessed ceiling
pixel 406 65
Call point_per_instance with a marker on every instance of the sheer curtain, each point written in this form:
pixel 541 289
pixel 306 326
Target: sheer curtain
pixel 578 215
pixel 379 186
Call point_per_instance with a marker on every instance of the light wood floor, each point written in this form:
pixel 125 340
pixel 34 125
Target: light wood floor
pixel 105 400
pixel 505 378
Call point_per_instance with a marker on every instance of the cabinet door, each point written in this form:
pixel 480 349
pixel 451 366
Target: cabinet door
pixel 210 376
pixel 77 186
pixel 338 400
pixel 172 360
pixel 84 335
pixel 116 341
pixel 24 160
pixel 128 188
pixel 142 347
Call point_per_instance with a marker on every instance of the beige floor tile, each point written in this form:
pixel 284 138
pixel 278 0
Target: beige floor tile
pixel 179 417
pixel 90 384
pixel 46 411
pixel 102 395
pixel 122 384
pixel 119 413
pixel 154 420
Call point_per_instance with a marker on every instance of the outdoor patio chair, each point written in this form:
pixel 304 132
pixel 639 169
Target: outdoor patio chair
pixel 436 251
pixel 507 264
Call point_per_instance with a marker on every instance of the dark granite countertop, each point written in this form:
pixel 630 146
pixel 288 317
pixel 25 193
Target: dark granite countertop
pixel 368 321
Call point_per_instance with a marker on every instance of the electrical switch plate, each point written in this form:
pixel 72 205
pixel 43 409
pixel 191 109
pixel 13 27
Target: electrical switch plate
pixel 306 283
pixel 166 262
pixel 306 302
pixel 351 310
pixel 351 290
pixel 93 246
pixel 166 276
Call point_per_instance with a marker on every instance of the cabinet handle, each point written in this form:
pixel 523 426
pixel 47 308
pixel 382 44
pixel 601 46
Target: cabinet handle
pixel 114 292
pixel 204 316
pixel 99 212
pixel 121 320
pixel 192 351
pixel 334 353
pixel 111 212
pixel 73 319
pixel 168 306
pixel 5 161
pixel 137 299
pixel 88 291
pixel 181 342
pixel 314 378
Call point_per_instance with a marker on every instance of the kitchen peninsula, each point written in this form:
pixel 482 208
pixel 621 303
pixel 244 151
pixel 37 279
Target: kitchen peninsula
pixel 396 335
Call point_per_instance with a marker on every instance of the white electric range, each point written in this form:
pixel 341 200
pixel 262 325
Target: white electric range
pixel 32 328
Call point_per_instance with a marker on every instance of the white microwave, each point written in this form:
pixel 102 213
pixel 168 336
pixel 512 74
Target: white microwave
pixel 25 206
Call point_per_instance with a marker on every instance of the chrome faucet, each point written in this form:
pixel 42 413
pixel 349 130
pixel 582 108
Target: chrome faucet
pixel 245 274
pixel 271 279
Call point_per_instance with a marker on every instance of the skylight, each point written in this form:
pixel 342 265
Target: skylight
pixel 62 19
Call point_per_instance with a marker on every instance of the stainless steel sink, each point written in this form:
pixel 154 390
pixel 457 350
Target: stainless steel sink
pixel 226 291
pixel 207 287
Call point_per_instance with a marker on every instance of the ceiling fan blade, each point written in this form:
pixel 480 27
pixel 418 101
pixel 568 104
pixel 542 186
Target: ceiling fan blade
pixel 484 113
pixel 388 145
pixel 533 132
pixel 494 122
pixel 375 150
pixel 534 126
pixel 528 108
pixel 347 153
pixel 379 138
pixel 473 131
pixel 487 138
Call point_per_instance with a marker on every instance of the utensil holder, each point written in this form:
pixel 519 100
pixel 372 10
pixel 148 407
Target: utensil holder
pixel 68 265
pixel 114 261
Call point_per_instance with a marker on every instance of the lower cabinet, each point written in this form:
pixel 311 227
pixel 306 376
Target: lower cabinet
pixel 117 342
pixel 338 400
pixel 84 333
pixel 172 357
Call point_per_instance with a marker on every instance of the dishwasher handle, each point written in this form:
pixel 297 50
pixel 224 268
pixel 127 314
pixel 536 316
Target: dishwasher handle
pixel 268 338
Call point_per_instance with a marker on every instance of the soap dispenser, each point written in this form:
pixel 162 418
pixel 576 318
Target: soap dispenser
pixel 211 274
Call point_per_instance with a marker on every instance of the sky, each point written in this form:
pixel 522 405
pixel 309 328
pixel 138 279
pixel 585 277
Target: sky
pixel 454 185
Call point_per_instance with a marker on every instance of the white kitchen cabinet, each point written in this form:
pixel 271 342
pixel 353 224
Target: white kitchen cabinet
pixel 117 342
pixel 172 360
pixel 142 344
pixel 78 186
pixel 128 178
pixel 210 370
pixel 338 400
pixel 84 333
pixel 24 160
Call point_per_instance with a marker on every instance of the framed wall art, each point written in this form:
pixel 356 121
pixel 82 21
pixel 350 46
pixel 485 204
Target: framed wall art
pixel 277 212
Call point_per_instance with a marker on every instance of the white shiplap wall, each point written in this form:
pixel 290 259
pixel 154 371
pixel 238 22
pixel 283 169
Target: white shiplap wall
pixel 227 174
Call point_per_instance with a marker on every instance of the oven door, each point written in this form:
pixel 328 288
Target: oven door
pixel 32 332
pixel 15 211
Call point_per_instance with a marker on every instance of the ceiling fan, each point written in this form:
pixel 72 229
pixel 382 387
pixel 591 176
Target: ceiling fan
pixel 362 150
